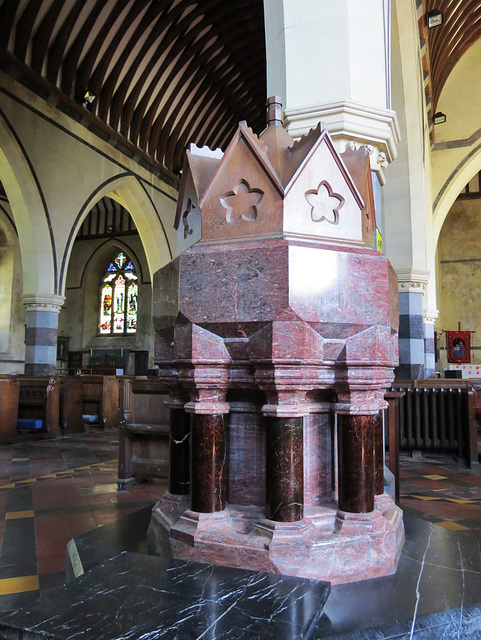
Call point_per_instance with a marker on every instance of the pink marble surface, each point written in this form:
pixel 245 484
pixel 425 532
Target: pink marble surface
pixel 280 298
pixel 318 459
pixel 246 445
pixel 325 545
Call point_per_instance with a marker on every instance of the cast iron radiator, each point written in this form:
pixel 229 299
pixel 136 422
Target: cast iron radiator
pixel 435 418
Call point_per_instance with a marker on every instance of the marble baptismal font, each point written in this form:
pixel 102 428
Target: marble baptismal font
pixel 276 336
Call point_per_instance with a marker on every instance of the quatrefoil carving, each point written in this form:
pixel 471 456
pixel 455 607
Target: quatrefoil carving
pixel 241 203
pixel 324 203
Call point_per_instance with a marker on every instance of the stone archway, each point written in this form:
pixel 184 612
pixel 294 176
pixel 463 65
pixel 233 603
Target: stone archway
pixel 130 193
pixel 30 215
pixel 453 186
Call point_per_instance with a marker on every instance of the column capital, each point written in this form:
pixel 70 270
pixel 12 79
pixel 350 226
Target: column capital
pixel 206 408
pixel 349 409
pixel 285 410
pixel 351 124
pixel 412 281
pixel 430 317
pixel 43 302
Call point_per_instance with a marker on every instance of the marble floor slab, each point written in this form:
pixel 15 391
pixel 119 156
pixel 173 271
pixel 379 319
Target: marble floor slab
pixel 141 597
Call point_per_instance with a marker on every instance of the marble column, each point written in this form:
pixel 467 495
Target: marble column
pixel 378 442
pixel 356 462
pixel 179 467
pixel 41 333
pixel 284 469
pixel 318 454
pixel 208 490
pixel 247 454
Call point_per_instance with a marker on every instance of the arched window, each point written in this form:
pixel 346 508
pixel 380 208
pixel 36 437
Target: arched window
pixel 118 297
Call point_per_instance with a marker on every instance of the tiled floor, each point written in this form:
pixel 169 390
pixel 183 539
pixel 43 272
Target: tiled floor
pixel 437 489
pixel 54 490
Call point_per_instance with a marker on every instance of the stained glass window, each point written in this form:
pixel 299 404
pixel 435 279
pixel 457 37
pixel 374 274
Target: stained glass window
pixel 118 297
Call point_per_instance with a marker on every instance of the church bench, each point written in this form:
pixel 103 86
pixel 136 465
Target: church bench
pixel 9 392
pixel 39 403
pixel 144 432
pixel 71 405
pixel 100 397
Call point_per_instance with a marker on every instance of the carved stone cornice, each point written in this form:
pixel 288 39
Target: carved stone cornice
pixel 430 317
pixel 412 281
pixel 351 123
pixel 43 302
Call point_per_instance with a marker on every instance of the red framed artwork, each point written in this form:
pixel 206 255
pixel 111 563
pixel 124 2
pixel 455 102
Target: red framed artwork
pixel 459 346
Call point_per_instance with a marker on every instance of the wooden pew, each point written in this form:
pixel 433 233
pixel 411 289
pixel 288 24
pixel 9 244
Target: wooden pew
pixel 39 399
pixel 100 395
pixel 392 421
pixel 144 432
pixel 9 393
pixel 71 405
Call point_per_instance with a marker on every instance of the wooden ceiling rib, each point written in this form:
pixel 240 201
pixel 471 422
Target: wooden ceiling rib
pixel 461 28
pixel 165 72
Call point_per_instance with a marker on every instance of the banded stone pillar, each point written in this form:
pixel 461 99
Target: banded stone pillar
pixel 179 448
pixel 208 456
pixel 411 332
pixel 284 466
pixel 41 333
pixel 356 461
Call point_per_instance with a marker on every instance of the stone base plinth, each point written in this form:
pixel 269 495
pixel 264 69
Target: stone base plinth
pixel 327 544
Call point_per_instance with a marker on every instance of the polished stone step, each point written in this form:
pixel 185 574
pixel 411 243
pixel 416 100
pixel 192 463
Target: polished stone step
pixel 137 596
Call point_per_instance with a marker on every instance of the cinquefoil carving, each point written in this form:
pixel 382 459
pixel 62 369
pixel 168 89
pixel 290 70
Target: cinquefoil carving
pixel 324 203
pixel 241 203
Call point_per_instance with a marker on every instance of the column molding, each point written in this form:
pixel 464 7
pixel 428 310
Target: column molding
pixel 43 302
pixel 412 280
pixel 430 317
pixel 351 124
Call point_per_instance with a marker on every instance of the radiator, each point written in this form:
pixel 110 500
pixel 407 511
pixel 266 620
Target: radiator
pixel 434 419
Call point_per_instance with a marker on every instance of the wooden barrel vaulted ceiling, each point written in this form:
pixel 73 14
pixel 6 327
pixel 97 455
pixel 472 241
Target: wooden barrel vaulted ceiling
pixel 461 28
pixel 164 72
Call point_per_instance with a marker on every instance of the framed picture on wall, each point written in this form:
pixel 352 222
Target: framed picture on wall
pixel 459 346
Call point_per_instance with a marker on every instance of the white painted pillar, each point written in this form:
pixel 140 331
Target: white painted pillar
pixel 329 61
pixel 407 224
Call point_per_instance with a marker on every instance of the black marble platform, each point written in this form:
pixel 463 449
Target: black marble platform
pixel 435 593
pixel 437 585
pixel 140 597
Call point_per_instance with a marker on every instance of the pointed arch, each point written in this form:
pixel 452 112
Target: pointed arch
pixel 462 174
pixel 30 213
pixel 130 192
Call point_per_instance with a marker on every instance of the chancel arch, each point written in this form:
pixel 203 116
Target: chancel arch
pixel 129 192
pixel 106 233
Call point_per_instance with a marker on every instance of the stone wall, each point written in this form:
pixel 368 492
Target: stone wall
pixel 459 262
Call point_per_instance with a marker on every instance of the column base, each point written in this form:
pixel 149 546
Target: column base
pixel 326 545
pixel 165 513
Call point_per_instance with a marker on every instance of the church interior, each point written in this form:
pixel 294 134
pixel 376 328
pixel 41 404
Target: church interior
pixel 239 319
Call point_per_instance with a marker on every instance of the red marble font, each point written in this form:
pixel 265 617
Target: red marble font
pixel 277 324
